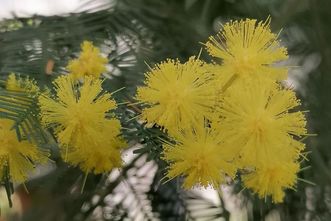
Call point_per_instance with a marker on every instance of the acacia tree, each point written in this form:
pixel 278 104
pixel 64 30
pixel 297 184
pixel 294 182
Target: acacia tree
pixel 132 34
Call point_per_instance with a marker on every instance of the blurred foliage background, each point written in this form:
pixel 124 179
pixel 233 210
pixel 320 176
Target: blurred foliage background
pixel 131 34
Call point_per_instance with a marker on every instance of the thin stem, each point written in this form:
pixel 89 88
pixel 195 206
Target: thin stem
pixel 229 83
pixel 84 182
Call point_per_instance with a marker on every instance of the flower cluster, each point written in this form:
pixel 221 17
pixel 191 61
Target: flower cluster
pixel 18 158
pixel 16 83
pixel 77 110
pixel 80 115
pixel 232 116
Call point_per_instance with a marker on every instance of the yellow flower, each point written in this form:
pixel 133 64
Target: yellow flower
pixel 272 179
pixel 257 120
pixel 19 84
pixel 248 48
pixel 178 95
pixel 99 156
pixel 200 157
pixel 89 63
pixel 26 86
pixel 19 158
pixel 78 117
pixel 76 111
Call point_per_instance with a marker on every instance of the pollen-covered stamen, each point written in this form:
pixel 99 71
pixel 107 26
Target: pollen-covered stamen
pixel 244 64
pixel 259 126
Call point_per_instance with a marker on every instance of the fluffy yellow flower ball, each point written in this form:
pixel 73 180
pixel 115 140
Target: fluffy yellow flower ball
pixel 18 158
pixel 248 48
pixel 177 96
pixel 78 116
pixel 200 157
pixel 16 83
pixel 272 179
pixel 89 63
pixel 257 120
